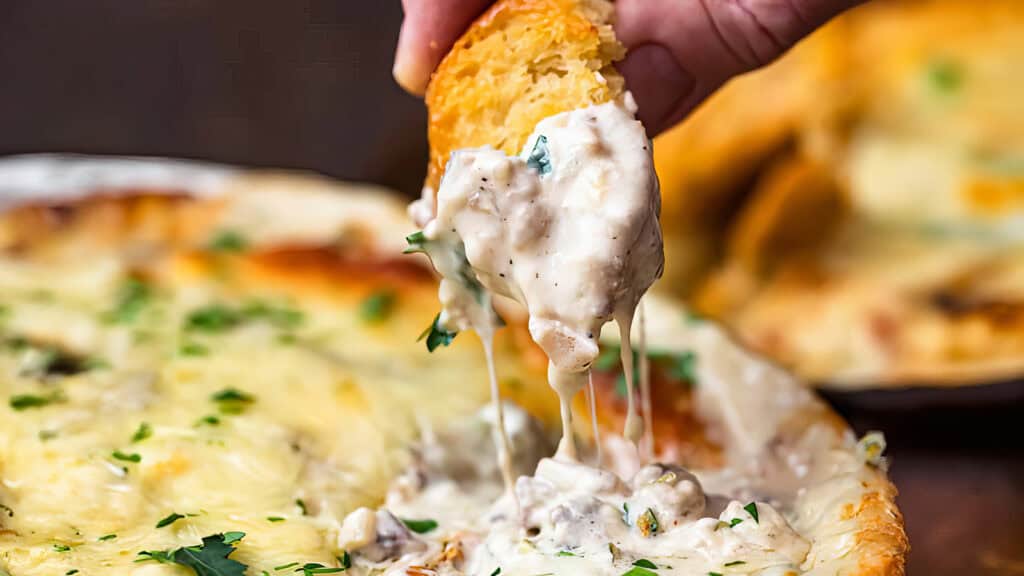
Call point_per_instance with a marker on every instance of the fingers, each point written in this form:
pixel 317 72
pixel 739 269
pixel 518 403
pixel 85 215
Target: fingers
pixel 428 31
pixel 682 50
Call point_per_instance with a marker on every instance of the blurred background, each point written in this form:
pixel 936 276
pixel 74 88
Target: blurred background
pixel 855 211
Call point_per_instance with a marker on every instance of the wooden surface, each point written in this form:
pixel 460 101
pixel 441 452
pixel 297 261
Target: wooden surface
pixel 307 84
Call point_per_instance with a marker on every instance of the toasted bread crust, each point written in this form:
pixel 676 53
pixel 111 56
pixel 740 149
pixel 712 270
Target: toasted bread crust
pixel 520 62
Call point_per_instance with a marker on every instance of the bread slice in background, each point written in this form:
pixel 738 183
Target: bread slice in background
pixel 519 63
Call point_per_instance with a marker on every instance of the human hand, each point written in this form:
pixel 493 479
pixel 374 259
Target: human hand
pixel 679 50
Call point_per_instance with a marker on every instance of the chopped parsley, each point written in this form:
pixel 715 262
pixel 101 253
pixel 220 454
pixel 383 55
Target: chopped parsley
pixel 420 526
pixel 417 243
pixel 638 571
pixel 212 318
pixel 133 296
pixel 302 506
pixel 211 558
pixel 283 317
pixel 232 401
pixel 227 241
pixel 945 76
pixel 734 522
pixel 377 307
pixel 436 336
pixel 313 568
pixel 645 563
pixel 219 318
pixel 496 571
pixel 21 402
pixel 540 157
pixel 193 349
pixel 106 537
pixel 752 510
pixel 161 556
pixel 169 519
pixel 71 572
pixel 210 420
pixel 133 457
pixel 734 563
pixel 275 519
pixel 144 431
pixel 8 510
pixel 285 566
pixel 345 560
pixel 684 366
pixel 61 548
pixel 565 553
pixel 714 574
pixel 648 523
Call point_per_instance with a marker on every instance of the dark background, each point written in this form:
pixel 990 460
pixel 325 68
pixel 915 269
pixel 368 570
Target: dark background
pixel 290 83
pixel 307 84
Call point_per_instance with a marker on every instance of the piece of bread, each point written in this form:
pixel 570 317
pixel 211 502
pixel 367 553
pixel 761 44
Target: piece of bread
pixel 521 62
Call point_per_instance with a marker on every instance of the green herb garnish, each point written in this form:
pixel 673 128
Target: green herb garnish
pixel 61 548
pixel 565 553
pixel 420 526
pixel 212 318
pixel 170 519
pixel 133 457
pixel 496 571
pixel 210 420
pixel 275 519
pixel 638 571
pixel 161 556
pixel 21 402
pixel 714 574
pixel 345 560
pixel 144 431
pixel 314 568
pixel 211 558
pixel 302 506
pixel 734 563
pixel 106 537
pixel 645 563
pixel 377 307
pixel 193 349
pixel 133 296
pixel 232 401
pixel 285 566
pixel 752 510
pixel 540 157
pixel 71 572
pixel 417 243
pixel 228 241
pixel 436 336
pixel 945 76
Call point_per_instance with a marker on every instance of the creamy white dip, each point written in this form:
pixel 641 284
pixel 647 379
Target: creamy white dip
pixel 569 228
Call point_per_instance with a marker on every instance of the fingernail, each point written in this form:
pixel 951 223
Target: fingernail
pixel 658 83
pixel 408 69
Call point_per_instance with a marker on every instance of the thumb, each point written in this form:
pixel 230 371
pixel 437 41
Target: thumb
pixel 682 50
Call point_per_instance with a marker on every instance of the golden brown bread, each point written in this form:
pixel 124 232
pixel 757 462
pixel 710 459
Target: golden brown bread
pixel 520 62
